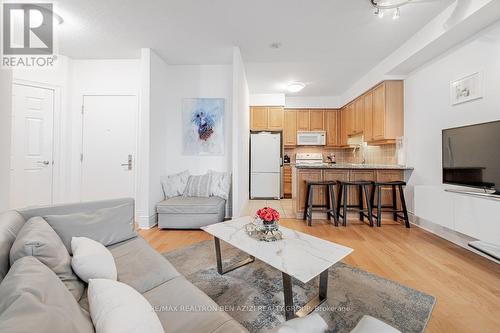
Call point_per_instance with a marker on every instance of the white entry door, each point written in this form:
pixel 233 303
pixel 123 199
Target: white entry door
pixel 109 147
pixel 32 146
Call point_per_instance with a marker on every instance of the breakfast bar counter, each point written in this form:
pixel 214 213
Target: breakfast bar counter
pixel 301 173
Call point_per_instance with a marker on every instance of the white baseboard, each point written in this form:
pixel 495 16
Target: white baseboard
pixel 448 234
pixel 146 222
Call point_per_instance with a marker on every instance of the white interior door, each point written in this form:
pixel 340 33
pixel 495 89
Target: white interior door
pixel 108 147
pixel 32 146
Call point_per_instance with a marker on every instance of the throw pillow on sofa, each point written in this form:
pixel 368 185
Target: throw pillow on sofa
pixel 221 184
pixel 199 186
pixel 107 226
pixel 117 307
pixel 33 299
pixel 174 185
pixel 36 238
pixel 91 260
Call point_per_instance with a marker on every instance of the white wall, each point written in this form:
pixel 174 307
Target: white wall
pixel 265 99
pixel 5 129
pixel 241 137
pixel 313 102
pixel 158 134
pixel 191 81
pixel 428 111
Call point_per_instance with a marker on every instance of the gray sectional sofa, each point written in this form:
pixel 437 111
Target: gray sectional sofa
pixel 180 306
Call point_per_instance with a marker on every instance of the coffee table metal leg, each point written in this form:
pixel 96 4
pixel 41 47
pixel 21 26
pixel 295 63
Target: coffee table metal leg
pixel 287 290
pixel 232 267
pixel 312 304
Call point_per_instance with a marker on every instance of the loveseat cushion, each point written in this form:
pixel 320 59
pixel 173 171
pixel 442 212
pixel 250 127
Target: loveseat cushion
pixel 182 307
pixel 191 205
pixel 36 238
pixel 10 224
pixel 33 299
pixel 140 266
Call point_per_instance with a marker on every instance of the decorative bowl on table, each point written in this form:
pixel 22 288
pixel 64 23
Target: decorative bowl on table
pixel 265 226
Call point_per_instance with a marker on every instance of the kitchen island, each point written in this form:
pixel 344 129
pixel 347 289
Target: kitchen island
pixel 301 173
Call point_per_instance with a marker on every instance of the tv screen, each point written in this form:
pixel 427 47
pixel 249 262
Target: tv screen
pixel 471 156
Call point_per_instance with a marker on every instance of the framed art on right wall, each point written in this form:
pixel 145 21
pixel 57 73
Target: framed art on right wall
pixel 467 88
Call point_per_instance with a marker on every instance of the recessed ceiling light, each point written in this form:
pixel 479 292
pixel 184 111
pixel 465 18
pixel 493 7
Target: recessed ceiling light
pixel 295 87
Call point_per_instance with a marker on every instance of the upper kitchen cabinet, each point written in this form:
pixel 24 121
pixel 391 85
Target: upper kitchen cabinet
pixel 316 120
pixel 358 116
pixel 290 128
pixel 332 126
pixel 303 120
pixel 368 116
pixel 387 116
pixel 344 125
pixel 266 118
pixel 275 118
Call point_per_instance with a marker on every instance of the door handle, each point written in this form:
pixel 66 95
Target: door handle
pixel 43 162
pixel 129 163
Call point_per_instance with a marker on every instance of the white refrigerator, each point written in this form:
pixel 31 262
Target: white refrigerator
pixel 265 165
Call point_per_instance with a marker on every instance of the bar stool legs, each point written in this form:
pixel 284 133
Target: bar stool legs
pixel 330 201
pixel 364 195
pixel 393 208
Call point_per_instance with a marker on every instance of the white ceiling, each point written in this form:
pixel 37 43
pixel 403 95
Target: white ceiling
pixel 327 44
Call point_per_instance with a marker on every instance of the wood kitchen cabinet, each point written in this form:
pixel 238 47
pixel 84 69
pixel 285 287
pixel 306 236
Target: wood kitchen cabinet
pixel 358 116
pixel 287 181
pixel 266 118
pixel 332 125
pixel 344 124
pixel 387 116
pixel 290 128
pixel 275 116
pixel 303 120
pixel 316 120
pixel 368 116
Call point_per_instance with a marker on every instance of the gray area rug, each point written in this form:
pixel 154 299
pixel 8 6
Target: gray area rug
pixel 253 294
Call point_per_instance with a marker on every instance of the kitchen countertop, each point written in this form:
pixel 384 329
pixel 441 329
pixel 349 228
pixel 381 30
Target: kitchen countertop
pixel 353 166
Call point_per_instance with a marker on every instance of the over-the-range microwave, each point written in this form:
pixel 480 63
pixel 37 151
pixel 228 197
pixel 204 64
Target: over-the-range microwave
pixel 311 138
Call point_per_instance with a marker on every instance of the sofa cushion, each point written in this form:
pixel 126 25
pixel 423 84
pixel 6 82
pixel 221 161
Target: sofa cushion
pixel 116 307
pixel 91 260
pixel 106 225
pixel 10 224
pixel 182 307
pixel 191 205
pixel 140 266
pixel 33 299
pixel 174 185
pixel 36 238
pixel 199 186
pixel 221 184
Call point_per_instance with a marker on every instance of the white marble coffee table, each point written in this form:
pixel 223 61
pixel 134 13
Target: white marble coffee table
pixel 297 255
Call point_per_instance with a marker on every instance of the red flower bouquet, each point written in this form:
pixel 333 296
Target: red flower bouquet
pixel 268 215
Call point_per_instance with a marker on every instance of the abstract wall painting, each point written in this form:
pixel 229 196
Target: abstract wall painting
pixel 466 89
pixel 203 126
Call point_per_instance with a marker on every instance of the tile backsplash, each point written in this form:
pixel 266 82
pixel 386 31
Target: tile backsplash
pixel 385 154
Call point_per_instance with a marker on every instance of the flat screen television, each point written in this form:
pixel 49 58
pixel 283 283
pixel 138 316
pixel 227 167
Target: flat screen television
pixel 471 156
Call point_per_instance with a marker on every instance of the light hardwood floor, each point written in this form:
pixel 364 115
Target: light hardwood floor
pixel 467 286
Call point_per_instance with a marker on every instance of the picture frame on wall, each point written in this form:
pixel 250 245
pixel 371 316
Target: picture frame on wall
pixel 203 126
pixel 466 89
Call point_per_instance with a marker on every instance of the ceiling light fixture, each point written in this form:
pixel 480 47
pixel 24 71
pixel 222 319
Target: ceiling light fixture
pixel 295 87
pixel 383 5
pixel 397 14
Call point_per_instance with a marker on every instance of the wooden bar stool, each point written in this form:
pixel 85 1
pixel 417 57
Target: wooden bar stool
pixel 390 208
pixel 329 208
pixel 343 207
